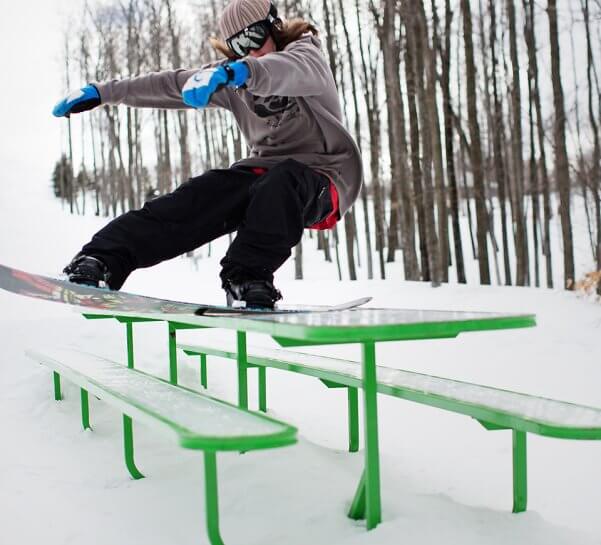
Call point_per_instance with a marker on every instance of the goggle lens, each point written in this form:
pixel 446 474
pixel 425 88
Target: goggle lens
pixel 251 38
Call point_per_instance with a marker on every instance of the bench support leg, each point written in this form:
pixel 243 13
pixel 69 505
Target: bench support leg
pixel 262 389
pixel 368 491
pixel 128 445
pixel 357 510
pixel 352 410
pixel 212 498
pixel 520 472
pixel 56 378
pixel 172 354
pixel 353 419
pixel 85 410
pixel 203 371
pixel 242 370
pixel 373 509
pixel 129 334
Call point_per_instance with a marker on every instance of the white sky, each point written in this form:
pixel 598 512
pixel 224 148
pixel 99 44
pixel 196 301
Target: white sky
pixel 30 44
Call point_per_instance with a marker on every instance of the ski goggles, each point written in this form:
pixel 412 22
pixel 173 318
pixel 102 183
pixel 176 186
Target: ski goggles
pixel 254 36
pixel 250 38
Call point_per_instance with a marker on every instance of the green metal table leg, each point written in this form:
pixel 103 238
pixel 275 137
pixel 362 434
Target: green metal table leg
pixel 242 370
pixel 172 354
pixel 203 371
pixel 353 419
pixel 57 386
pixel 520 472
pixel 353 413
pixel 371 478
pixel 128 444
pixel 262 389
pixel 357 510
pixel 211 498
pixel 129 327
pixel 85 410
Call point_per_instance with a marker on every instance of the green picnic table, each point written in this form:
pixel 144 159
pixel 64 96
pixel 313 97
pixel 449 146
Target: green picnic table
pixel 365 327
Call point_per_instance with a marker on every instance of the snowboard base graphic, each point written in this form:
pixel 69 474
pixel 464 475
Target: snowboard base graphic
pixel 63 291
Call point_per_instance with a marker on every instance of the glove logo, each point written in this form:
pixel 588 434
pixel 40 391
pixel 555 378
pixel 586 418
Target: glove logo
pixel 78 93
pixel 203 77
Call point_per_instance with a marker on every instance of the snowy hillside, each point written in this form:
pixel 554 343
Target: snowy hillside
pixel 444 478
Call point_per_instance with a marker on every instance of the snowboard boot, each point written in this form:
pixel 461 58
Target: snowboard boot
pixel 88 271
pixel 259 294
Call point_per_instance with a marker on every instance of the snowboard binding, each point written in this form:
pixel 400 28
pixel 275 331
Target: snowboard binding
pixel 88 271
pixel 251 294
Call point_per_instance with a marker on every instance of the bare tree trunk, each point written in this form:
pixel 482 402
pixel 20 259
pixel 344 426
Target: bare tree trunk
pixel 369 78
pixel 534 191
pixel 441 194
pixel 450 144
pixel 174 34
pixel 581 170
pixel 544 176
pixel 521 232
pixel 596 158
pixel 104 170
pixel 475 146
pixel 533 167
pixel 422 59
pixel 337 246
pixel 131 54
pixel 487 166
pixel 464 147
pixel 69 135
pixel 410 260
pixel 402 200
pixel 85 72
pixel 167 166
pixel 562 167
pixel 498 131
pixel 349 224
pixel 387 54
pixel 298 261
pixel 95 175
pixel 323 243
pixel 416 168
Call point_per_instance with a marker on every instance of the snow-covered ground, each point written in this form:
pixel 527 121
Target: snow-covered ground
pixel 444 479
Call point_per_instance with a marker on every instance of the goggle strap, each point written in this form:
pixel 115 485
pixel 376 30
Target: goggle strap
pixel 272 16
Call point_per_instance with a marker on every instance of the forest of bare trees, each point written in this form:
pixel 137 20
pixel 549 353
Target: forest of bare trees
pixel 487 110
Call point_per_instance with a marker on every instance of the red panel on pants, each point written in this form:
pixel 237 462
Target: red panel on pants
pixel 332 217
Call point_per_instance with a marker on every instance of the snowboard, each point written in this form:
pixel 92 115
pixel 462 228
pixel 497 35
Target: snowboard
pixel 63 291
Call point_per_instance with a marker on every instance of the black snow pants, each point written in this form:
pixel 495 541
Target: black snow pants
pixel 268 210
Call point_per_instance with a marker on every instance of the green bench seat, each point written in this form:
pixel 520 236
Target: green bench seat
pixel 494 408
pixel 194 420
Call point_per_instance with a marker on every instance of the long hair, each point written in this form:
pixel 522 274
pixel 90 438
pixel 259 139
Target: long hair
pixel 284 32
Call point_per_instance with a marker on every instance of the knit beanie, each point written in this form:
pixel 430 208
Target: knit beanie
pixel 239 14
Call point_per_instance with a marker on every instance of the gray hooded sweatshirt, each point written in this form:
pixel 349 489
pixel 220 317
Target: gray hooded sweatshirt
pixel 289 109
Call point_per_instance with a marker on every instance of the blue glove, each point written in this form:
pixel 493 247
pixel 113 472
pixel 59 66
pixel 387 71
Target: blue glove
pixel 78 101
pixel 199 88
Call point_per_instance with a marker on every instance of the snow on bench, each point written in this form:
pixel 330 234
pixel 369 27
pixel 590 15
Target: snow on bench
pixel 494 408
pixel 196 420
pixel 533 414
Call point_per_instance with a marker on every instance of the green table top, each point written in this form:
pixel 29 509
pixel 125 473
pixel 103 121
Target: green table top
pixel 352 326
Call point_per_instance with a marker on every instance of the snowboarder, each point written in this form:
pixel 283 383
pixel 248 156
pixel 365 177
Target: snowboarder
pixel 303 169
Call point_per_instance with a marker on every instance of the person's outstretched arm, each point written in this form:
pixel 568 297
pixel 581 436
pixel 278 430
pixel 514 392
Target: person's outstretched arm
pixel 155 90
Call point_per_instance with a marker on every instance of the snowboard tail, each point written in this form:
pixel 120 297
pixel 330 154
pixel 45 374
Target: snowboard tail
pixel 63 291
